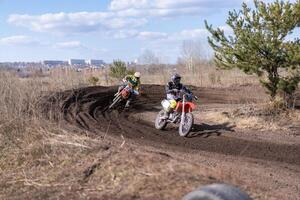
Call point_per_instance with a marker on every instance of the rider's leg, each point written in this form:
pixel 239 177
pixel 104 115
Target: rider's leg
pixel 129 100
pixel 127 103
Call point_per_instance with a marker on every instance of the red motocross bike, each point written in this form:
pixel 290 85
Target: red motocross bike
pixel 182 115
pixel 122 95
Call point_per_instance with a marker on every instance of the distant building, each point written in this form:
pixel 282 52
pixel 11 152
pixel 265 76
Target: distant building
pixel 80 62
pixel 51 63
pixel 95 62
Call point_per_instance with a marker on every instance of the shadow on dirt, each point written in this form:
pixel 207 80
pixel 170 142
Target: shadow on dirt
pixel 207 130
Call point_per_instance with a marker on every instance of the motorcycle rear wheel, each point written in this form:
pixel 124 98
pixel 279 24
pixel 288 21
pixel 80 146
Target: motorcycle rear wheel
pixel 160 123
pixel 186 126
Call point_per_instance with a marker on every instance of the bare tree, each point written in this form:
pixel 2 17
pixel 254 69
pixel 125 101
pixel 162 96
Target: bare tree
pixel 193 53
pixel 148 57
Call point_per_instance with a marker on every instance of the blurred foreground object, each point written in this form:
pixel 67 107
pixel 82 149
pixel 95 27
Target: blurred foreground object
pixel 217 192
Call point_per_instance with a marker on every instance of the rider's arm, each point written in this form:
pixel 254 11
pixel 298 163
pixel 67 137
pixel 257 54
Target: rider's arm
pixel 137 87
pixel 127 77
pixel 186 90
pixel 168 89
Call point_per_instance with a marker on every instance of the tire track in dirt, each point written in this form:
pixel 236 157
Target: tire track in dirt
pixel 84 108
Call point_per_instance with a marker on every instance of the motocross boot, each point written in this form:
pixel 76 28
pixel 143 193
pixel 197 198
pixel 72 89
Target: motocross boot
pixel 127 105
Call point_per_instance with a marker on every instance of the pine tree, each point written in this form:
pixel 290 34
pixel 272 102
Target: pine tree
pixel 118 69
pixel 262 44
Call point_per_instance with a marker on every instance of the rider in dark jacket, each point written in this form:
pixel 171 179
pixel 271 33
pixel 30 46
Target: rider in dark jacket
pixel 173 90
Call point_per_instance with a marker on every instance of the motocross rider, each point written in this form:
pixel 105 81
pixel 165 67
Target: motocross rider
pixel 134 81
pixel 173 90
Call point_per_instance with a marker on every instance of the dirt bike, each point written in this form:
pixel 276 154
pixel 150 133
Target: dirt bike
pixel 182 115
pixel 121 95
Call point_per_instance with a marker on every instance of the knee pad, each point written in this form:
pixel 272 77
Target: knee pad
pixel 173 104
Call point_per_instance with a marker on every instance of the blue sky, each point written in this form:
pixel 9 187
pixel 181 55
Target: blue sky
pixel 35 30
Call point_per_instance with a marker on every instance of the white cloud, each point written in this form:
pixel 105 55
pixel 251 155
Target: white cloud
pixel 188 34
pixel 152 35
pixel 123 34
pixel 22 40
pixel 192 34
pixel 155 4
pixel 169 4
pixel 68 45
pixel 125 4
pixel 143 35
pixel 79 22
pixel 118 23
pixel 18 40
pixel 164 12
pixel 169 7
pixel 121 14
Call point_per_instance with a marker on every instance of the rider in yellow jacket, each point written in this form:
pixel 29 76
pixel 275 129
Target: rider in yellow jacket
pixel 134 81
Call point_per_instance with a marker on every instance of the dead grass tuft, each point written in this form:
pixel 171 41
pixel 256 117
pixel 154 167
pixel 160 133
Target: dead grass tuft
pixel 257 117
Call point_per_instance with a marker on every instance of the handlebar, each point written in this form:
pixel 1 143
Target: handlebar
pixel 129 86
pixel 185 94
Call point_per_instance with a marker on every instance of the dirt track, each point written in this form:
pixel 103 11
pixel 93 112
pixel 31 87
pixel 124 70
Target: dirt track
pixel 84 108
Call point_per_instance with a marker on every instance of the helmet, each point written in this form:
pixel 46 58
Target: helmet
pixel 176 78
pixel 137 74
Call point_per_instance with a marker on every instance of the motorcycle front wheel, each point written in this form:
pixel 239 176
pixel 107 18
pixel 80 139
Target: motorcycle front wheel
pixel 115 102
pixel 186 125
pixel 159 122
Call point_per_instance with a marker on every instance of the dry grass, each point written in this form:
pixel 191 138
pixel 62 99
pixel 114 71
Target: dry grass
pixel 205 75
pixel 39 158
pixel 256 117
pixel 257 123
pixel 245 122
pixel 21 124
pixel 18 100
pixel 82 167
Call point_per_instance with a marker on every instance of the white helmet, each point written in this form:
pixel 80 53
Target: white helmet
pixel 137 74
